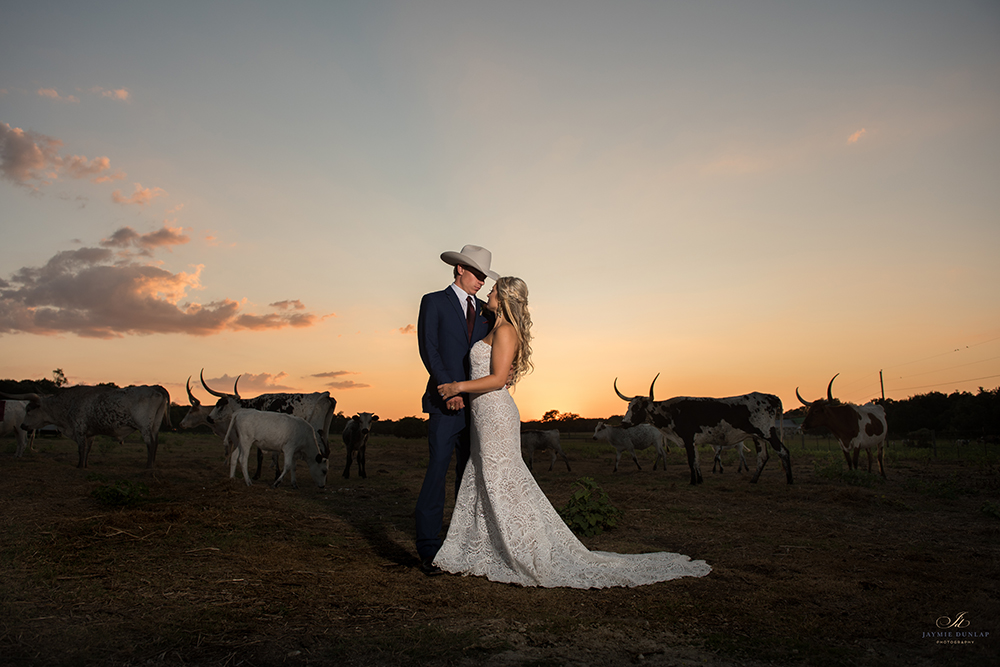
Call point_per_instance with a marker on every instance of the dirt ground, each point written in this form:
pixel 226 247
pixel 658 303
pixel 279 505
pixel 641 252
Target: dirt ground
pixel 836 569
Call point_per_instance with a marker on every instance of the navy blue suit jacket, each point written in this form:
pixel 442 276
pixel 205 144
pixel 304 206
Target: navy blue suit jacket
pixel 442 335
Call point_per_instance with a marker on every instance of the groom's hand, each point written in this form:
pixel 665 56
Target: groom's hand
pixel 455 403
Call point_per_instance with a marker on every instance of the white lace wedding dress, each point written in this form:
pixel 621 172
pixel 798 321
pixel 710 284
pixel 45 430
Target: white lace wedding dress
pixel 504 527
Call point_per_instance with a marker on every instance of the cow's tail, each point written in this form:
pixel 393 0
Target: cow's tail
pixel 166 409
pixel 225 440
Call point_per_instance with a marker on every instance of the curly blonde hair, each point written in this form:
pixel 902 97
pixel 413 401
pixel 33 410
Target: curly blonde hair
pixel 512 306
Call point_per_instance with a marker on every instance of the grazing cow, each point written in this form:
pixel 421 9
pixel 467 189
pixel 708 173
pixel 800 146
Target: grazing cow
pixel 857 427
pixel 11 415
pixel 691 422
pixel 276 432
pixel 631 439
pixel 717 461
pixel 316 408
pixel 82 412
pixel 198 416
pixel 540 441
pixel 356 433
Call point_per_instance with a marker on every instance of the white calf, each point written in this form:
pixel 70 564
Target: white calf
pixel 540 441
pixel 275 432
pixel 631 439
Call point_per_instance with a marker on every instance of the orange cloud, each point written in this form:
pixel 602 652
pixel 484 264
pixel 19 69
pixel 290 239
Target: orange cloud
pixel 31 159
pixel 53 94
pixel 119 94
pixel 140 196
pixel 408 329
pixel 96 293
pixel 126 237
pixel 853 139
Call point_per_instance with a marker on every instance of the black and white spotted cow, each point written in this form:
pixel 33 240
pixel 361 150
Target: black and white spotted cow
pixel 690 422
pixel 356 433
pixel 857 427
pixel 82 412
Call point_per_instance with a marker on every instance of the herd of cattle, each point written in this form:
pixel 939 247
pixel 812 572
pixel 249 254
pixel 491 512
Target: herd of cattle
pixel 298 426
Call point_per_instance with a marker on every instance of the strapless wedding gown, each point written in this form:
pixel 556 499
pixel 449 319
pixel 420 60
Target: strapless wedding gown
pixel 505 528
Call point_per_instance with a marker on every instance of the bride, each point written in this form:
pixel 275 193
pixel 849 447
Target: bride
pixel 503 526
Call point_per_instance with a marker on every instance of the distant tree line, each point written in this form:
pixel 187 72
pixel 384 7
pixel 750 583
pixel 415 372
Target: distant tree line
pixel 959 414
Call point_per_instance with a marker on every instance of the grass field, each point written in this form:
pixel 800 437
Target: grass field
pixel 840 568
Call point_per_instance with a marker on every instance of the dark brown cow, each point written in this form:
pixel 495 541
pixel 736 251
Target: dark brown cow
pixel 857 427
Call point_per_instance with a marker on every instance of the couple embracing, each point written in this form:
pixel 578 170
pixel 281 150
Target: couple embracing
pixel 503 527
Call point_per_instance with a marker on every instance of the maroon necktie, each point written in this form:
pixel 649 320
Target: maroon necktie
pixel 470 316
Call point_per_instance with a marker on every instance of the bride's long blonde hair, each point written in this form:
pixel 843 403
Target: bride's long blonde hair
pixel 512 306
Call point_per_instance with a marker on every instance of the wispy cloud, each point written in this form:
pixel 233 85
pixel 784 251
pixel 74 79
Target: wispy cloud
pixel 340 384
pixel 111 292
pixel 120 94
pixel 32 160
pixel 853 139
pixel 140 196
pixel 53 94
pixel 408 329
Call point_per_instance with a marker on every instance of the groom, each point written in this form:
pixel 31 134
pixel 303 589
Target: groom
pixel 450 322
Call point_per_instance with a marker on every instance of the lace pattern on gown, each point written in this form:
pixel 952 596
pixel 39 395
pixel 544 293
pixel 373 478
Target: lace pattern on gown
pixel 505 528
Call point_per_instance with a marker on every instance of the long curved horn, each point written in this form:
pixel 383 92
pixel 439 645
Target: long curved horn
pixel 194 401
pixel 207 388
pixel 621 395
pixel 801 400
pixel 651 387
pixel 236 391
pixel 33 398
pixel 829 388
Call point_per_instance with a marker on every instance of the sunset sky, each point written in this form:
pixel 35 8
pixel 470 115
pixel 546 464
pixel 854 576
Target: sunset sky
pixel 740 196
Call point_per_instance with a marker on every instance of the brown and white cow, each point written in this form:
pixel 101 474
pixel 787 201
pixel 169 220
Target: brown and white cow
pixel 857 427
pixel 691 421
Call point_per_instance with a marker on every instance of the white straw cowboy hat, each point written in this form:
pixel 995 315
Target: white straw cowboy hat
pixel 474 256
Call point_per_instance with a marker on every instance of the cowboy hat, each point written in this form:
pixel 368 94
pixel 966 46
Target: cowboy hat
pixel 472 256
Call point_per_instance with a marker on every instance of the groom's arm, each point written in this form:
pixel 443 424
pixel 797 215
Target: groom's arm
pixel 429 342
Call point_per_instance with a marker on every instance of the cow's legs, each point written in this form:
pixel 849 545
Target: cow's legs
pixel 717 461
pixel 244 458
pixel 566 459
pixel 857 452
pixel 289 469
pixel 361 462
pixel 762 457
pixel 347 468
pixel 151 440
pixel 552 463
pixel 692 453
pixel 743 459
pixel 847 457
pixel 881 465
pixel 260 462
pixel 83 448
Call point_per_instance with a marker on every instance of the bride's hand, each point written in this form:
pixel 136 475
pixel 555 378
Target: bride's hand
pixel 448 390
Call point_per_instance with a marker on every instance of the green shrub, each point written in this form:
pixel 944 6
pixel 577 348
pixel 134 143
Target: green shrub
pixel 122 493
pixel 589 510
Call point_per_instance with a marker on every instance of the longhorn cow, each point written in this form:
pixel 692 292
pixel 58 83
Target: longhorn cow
pixel 690 422
pixel 857 427
pixel 82 412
